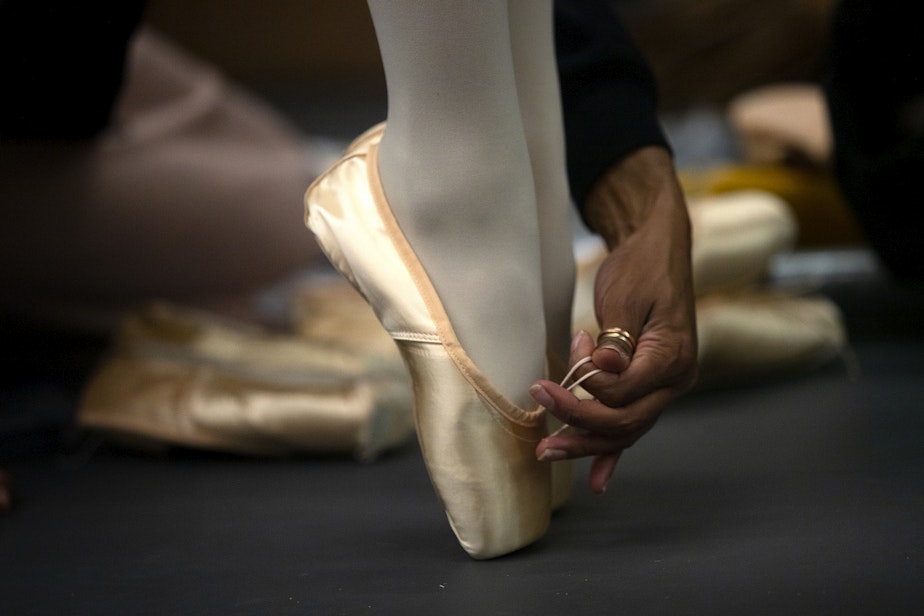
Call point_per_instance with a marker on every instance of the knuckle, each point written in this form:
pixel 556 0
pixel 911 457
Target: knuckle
pixel 570 416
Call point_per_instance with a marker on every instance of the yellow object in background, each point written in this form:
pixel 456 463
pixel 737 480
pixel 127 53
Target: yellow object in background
pixel 823 216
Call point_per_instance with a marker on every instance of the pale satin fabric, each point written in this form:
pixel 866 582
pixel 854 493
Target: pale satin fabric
pixel 479 447
pixel 734 237
pixel 747 336
pixel 783 122
pixel 181 377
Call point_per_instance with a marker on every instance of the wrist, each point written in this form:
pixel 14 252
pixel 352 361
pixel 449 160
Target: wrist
pixel 625 197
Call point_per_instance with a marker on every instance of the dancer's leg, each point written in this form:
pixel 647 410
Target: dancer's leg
pixel 190 196
pixel 455 169
pixel 532 35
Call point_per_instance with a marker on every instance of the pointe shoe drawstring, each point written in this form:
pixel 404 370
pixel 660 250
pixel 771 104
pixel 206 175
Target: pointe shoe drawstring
pixel 577 382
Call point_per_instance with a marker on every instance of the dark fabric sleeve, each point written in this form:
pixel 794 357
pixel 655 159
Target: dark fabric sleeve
pixel 61 65
pixel 609 96
pixel 874 87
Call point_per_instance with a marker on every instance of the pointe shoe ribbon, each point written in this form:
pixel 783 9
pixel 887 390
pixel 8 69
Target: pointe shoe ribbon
pixel 478 446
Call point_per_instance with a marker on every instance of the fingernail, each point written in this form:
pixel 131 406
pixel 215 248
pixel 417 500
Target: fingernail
pixel 606 484
pixel 612 346
pixel 577 339
pixel 553 455
pixel 541 396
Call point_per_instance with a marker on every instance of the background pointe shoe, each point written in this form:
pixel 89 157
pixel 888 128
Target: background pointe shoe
pixel 182 377
pixel 761 335
pixel 735 235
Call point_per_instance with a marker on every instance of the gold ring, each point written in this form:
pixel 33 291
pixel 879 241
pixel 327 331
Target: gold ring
pixel 620 337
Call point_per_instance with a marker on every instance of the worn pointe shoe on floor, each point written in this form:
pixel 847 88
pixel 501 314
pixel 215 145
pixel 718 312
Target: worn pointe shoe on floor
pixel 822 215
pixel 478 446
pixel 183 377
pixel 752 336
pixel 783 123
pixel 735 235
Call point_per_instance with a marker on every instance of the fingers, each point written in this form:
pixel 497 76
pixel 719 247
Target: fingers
pixel 609 354
pixel 610 436
pixel 601 470
pixel 623 378
pixel 599 428
pixel 628 396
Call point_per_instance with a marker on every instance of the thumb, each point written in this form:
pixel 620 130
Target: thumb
pixel 613 350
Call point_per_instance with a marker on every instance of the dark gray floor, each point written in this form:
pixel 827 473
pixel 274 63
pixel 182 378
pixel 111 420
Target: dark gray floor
pixel 803 496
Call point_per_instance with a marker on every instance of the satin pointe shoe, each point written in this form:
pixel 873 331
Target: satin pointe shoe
pixel 735 235
pixel 331 313
pixel 479 448
pixel 761 335
pixel 783 123
pixel 184 377
pixel 563 471
pixel 822 214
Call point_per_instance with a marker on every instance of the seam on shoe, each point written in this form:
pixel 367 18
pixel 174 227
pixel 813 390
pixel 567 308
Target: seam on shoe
pixel 415 337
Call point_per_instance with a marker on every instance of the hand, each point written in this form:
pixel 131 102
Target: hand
pixel 644 286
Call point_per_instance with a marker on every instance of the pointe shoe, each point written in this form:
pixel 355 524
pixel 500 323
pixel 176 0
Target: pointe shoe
pixel 330 312
pixel 755 336
pixel 822 215
pixel 182 377
pixel 783 123
pixel 734 237
pixel 562 471
pixel 479 448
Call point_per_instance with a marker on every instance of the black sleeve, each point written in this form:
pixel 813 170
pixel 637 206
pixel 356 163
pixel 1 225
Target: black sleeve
pixel 61 65
pixel 609 96
pixel 874 86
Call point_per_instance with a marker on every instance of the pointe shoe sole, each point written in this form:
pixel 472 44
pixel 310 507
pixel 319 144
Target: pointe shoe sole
pixel 478 446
